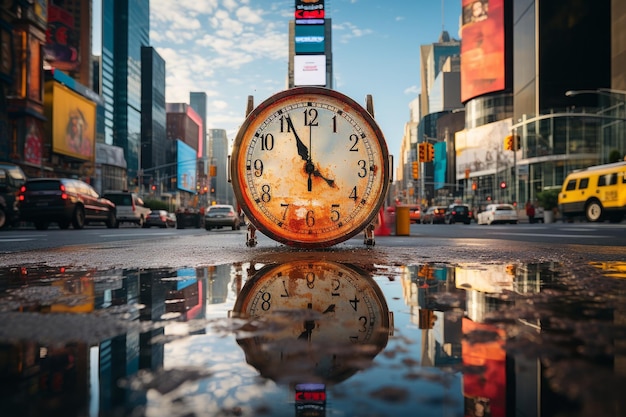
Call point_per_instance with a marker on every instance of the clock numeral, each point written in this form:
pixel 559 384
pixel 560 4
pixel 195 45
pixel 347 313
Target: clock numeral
pixel 334 213
pixel 335 124
pixel 310 279
pixel 336 284
pixel 353 194
pixel 355 303
pixel 258 168
pixel 310 117
pixel 266 304
pixel 354 138
pixel 310 218
pixel 363 321
pixel 284 123
pixel 265 195
pixel 362 168
pixel 285 207
pixel 267 142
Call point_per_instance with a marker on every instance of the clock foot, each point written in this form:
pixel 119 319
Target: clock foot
pixel 368 239
pixel 251 236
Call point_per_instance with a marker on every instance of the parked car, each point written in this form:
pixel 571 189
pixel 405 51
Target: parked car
pixel 434 214
pixel 64 201
pixel 221 215
pixel 160 218
pixel 498 213
pixel 458 213
pixel 415 212
pixel 130 208
pixel 11 179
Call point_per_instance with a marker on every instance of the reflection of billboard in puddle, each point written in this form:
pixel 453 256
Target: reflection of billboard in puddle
pixel 486 278
pixel 186 296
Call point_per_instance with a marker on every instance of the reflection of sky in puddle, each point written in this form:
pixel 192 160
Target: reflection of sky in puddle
pixel 534 338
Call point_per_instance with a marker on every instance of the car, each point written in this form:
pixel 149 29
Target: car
pixel 130 207
pixel 434 214
pixel 221 215
pixel 415 212
pixel 160 218
pixel 11 179
pixel 64 201
pixel 497 213
pixel 458 213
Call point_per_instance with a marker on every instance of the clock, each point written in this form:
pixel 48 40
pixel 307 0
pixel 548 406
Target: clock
pixel 310 168
pixel 312 320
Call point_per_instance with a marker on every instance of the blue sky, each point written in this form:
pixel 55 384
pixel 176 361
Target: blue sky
pixel 231 49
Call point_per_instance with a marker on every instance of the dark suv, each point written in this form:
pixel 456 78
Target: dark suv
pixel 64 201
pixel 458 213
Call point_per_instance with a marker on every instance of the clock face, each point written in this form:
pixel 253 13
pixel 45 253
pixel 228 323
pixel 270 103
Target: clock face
pixel 318 316
pixel 310 167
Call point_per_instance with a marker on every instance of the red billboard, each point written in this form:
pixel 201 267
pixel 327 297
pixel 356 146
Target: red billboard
pixel 309 12
pixel 482 48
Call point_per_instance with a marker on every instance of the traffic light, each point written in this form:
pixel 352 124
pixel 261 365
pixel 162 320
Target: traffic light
pixel 426 318
pixel 430 152
pixel 416 170
pixel 503 185
pixel 421 148
pixel 508 143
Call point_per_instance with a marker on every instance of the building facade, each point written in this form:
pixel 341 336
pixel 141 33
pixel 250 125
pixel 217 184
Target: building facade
pixel 154 145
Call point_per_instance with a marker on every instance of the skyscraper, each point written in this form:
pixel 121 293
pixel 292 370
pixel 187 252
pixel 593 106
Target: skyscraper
pixel 126 28
pixel 154 146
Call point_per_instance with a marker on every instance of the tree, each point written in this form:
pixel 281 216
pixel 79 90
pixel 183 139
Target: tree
pixel 615 156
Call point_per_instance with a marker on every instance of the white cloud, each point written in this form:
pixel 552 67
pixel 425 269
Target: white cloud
pixel 412 90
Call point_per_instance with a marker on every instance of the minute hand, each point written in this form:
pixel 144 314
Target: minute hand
pixel 302 149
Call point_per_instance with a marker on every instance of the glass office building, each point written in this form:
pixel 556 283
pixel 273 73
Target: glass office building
pixel 125 29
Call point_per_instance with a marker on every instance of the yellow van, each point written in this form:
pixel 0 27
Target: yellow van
pixel 597 192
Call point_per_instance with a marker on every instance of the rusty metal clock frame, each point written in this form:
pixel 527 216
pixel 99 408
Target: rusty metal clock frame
pixel 310 168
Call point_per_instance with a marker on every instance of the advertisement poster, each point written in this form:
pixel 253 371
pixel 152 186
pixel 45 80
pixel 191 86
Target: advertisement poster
pixel 186 167
pixel 482 49
pixel 73 123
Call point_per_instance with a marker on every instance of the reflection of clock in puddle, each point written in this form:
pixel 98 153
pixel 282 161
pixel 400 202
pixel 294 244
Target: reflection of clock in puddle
pixel 312 321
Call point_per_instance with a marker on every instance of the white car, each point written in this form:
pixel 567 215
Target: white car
pixel 497 213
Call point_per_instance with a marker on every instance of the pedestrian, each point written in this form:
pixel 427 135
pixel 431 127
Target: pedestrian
pixel 530 212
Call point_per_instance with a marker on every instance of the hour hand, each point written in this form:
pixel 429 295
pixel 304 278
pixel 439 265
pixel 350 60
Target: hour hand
pixel 302 149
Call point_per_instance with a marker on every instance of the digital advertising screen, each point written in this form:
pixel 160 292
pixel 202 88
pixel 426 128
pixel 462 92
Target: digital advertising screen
pixel 309 12
pixel 309 70
pixel 482 49
pixel 309 39
pixel 185 167
pixel 73 123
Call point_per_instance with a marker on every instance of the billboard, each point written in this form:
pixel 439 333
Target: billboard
pixel 309 39
pixel 73 122
pixel 482 48
pixel 62 39
pixel 309 12
pixel 309 70
pixel 481 150
pixel 185 167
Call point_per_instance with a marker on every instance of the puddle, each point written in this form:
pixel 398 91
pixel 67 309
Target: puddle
pixel 314 338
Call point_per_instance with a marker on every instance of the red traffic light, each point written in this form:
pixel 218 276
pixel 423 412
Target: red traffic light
pixel 503 184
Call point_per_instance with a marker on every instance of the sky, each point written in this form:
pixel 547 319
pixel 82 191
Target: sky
pixel 231 49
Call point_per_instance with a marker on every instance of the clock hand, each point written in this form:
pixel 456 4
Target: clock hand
pixel 309 325
pixel 302 149
pixel 330 182
pixel 330 309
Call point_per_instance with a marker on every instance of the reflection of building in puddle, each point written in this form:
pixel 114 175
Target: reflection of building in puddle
pixel 312 321
pixel 441 329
